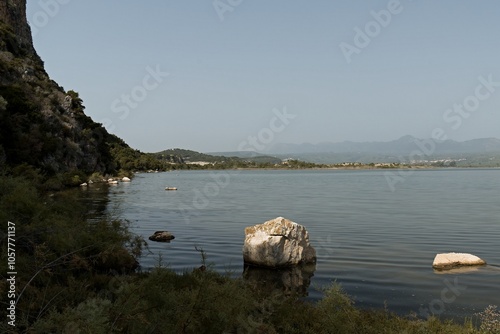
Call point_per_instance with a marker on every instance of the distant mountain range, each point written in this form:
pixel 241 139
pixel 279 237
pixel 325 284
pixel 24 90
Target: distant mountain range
pixel 403 145
pixel 483 152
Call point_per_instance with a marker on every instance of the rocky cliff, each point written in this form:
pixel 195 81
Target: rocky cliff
pixel 41 124
pixel 13 14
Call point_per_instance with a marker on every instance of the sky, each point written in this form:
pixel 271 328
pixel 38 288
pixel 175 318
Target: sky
pixel 229 75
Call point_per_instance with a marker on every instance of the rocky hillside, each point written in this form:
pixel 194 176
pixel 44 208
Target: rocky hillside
pixel 41 124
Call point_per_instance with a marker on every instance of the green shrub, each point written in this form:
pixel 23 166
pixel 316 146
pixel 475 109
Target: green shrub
pixel 90 316
pixel 61 257
pixel 490 320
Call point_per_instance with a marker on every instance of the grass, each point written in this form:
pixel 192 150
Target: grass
pixel 162 301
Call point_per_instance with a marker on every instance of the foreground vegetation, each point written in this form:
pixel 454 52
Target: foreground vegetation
pixel 206 302
pixel 79 275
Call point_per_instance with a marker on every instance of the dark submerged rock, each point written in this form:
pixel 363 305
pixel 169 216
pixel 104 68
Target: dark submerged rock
pixel 162 236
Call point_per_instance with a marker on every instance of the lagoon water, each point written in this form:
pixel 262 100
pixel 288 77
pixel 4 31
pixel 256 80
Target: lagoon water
pixel 377 242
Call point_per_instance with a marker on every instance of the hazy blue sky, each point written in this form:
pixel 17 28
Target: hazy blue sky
pixel 347 70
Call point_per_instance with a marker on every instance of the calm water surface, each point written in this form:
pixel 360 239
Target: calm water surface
pixel 377 243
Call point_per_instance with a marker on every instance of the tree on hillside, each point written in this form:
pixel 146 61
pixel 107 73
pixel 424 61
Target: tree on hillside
pixel 76 101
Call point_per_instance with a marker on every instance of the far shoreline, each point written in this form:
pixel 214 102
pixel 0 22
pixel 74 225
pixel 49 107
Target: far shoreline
pixel 323 168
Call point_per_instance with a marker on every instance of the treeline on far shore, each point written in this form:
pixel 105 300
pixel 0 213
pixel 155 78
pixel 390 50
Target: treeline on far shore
pixel 178 159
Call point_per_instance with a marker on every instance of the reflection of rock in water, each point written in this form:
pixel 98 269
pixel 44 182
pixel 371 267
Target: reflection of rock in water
pixel 292 280
pixel 96 200
pixel 486 269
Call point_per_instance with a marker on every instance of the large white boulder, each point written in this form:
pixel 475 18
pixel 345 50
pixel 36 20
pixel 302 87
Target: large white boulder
pixel 446 261
pixel 277 243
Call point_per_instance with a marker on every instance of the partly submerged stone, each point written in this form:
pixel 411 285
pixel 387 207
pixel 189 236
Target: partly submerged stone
pixel 162 236
pixel 277 243
pixel 125 179
pixel 447 261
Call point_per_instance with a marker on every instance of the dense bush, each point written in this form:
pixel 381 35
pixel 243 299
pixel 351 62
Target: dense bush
pixel 206 302
pixel 62 258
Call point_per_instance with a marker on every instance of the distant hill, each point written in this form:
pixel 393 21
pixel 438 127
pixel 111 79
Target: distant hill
pixel 239 154
pixel 249 156
pixel 226 157
pixel 192 156
pixel 403 145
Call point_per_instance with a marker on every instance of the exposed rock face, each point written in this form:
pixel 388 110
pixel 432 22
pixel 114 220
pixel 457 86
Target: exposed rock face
pixel 447 261
pixel 13 13
pixel 162 236
pixel 277 243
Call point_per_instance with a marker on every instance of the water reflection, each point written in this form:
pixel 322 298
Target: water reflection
pixel 96 200
pixel 291 281
pixel 469 269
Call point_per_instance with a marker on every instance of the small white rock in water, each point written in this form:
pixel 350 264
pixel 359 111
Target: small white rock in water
pixel 125 179
pixel 84 184
pixel 277 243
pixel 447 261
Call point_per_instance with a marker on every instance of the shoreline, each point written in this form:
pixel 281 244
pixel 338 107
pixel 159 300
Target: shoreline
pixel 322 168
